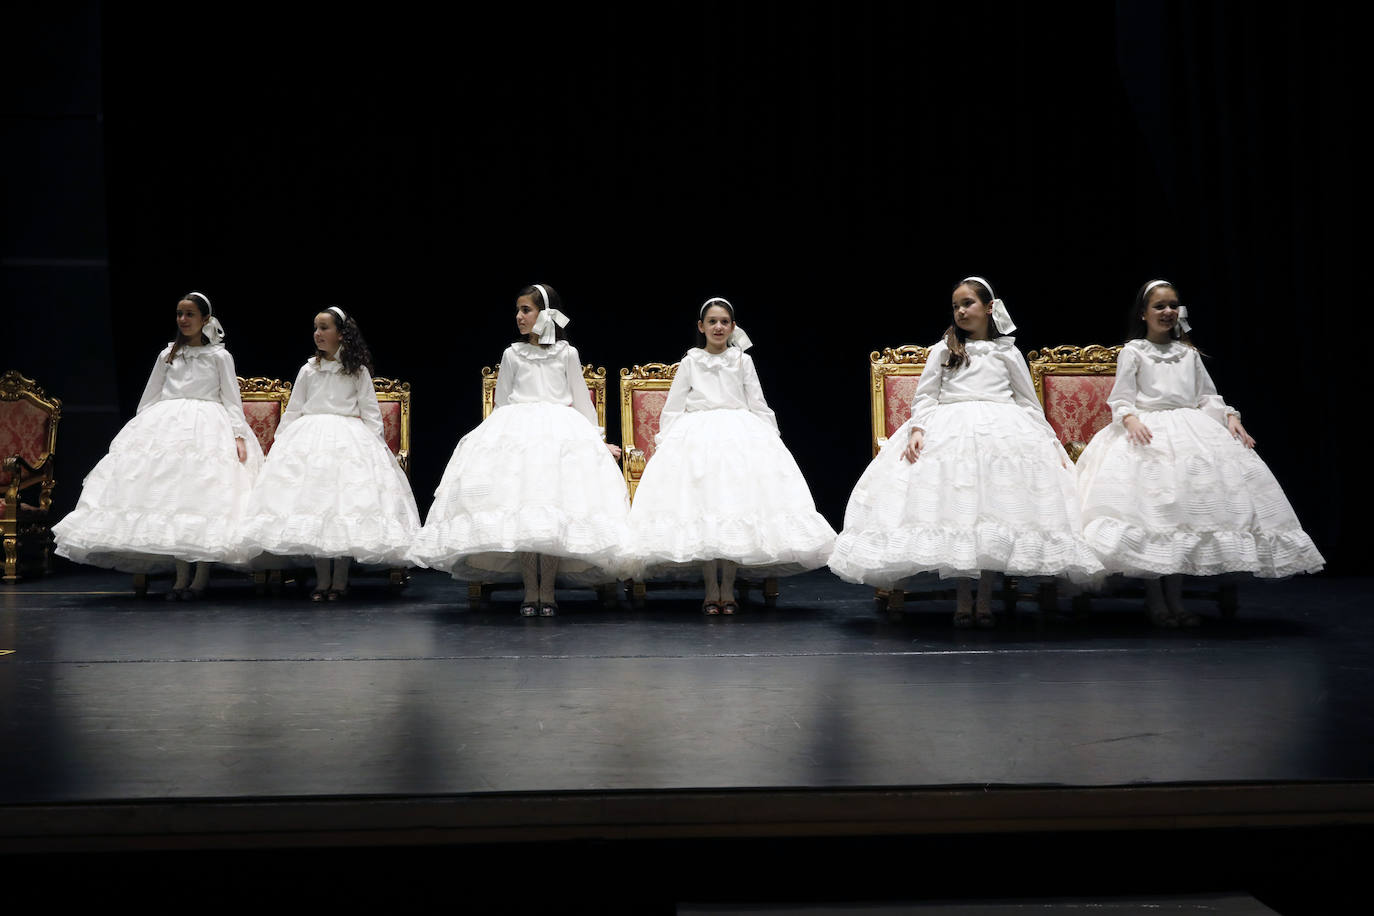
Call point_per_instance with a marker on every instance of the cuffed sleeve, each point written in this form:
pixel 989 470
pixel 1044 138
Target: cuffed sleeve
pixel 1123 394
pixel 1209 401
pixel 927 396
pixel 753 393
pixel 577 385
pixel 505 379
pixel 368 408
pixel 152 392
pixel 676 402
pixel 229 394
pixel 299 393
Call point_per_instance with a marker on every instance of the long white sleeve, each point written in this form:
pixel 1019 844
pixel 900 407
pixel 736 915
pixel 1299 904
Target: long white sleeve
pixel 927 396
pixel 152 392
pixel 1122 397
pixel 676 402
pixel 505 379
pixel 229 394
pixel 1023 389
pixel 753 394
pixel 300 391
pixel 368 408
pixel 577 384
pixel 1209 401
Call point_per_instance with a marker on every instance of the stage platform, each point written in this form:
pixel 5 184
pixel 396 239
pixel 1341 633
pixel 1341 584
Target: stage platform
pixel 395 729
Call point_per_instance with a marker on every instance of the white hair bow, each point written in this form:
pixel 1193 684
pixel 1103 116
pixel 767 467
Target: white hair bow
pixel 1000 316
pixel 549 320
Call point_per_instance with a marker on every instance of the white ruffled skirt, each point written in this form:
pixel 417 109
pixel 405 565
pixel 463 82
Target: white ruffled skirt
pixel 988 492
pixel 1194 501
pixel 532 478
pixel 721 485
pixel 170 488
pixel 331 488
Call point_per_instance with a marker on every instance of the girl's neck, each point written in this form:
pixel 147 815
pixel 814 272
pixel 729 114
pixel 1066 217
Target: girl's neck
pixel 533 339
pixel 194 341
pixel 985 334
pixel 723 348
pixel 330 355
pixel 1162 340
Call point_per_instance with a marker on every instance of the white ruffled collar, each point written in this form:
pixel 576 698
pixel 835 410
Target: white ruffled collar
pixel 538 351
pixel 996 343
pixel 200 352
pixel 1171 352
pixel 730 358
pixel 323 364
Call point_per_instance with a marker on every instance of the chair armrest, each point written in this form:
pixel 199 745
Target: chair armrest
pixel 403 459
pixel 634 461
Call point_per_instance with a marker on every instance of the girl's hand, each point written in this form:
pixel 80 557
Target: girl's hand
pixel 614 450
pixel 241 449
pixel 1136 431
pixel 1238 431
pixel 914 443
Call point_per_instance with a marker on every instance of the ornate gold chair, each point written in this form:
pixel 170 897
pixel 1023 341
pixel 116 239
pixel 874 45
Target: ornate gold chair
pixel 643 392
pixel 28 441
pixel 595 377
pixel 1073 384
pixel 893 374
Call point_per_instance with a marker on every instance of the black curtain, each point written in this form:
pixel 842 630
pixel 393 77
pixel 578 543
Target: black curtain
pixel 833 169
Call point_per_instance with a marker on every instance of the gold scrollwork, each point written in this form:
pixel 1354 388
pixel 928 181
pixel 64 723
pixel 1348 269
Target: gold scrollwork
pixel 1066 359
pixel 907 360
pixel 259 385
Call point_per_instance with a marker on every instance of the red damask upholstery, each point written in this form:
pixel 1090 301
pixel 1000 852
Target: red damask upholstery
pixel 263 417
pixel 647 407
pixel 1072 384
pixel 898 390
pixel 391 425
pixel 1076 405
pixel 23 432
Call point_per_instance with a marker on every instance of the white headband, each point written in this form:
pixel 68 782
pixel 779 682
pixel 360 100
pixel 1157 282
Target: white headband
pixel 213 330
pixel 337 311
pixel 737 337
pixel 1000 316
pixel 549 320
pixel 1183 324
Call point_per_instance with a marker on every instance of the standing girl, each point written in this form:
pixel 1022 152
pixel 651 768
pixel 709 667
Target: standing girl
pixel 1173 486
pixel 721 491
pixel 331 489
pixel 975 482
pixel 530 494
pixel 177 476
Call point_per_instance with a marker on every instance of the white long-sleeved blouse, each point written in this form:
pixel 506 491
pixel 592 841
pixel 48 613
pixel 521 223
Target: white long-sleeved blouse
pixel 322 387
pixel 715 381
pixel 995 371
pixel 1151 376
pixel 532 374
pixel 204 373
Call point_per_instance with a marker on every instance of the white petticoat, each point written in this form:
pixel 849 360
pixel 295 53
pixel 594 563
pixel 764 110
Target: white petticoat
pixel 1194 501
pixel 331 488
pixel 170 488
pixel 721 485
pixel 532 478
pixel 988 492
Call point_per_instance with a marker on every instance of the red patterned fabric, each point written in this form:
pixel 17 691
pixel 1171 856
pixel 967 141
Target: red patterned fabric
pixel 1076 405
pixel 23 432
pixel 391 424
pixel 898 390
pixel 263 417
pixel 647 406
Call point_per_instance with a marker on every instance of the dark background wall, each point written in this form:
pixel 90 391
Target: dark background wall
pixel 833 169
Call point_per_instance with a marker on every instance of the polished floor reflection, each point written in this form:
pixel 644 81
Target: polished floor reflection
pixel 106 697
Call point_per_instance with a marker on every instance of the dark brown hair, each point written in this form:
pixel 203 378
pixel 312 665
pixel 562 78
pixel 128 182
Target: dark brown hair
pixel 182 340
pixel 353 352
pixel 554 302
pixel 955 335
pixel 1136 327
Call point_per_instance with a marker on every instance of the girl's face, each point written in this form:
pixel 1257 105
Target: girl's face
pixel 526 313
pixel 1161 313
pixel 190 320
pixel 716 326
pixel 327 334
pixel 971 315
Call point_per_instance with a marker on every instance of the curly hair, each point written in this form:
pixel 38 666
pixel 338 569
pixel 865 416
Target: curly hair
pixel 353 351
pixel 955 335
pixel 182 340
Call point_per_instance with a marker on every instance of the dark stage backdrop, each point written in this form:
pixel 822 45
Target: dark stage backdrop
pixel 833 169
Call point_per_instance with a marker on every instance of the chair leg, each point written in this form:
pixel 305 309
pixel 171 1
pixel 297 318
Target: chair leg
pixel 140 585
pixel 770 592
pixel 11 558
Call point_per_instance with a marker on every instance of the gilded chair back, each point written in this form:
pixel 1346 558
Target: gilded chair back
pixel 893 374
pixel 28 442
pixel 643 392
pixel 393 397
pixel 264 399
pixel 595 378
pixel 1073 384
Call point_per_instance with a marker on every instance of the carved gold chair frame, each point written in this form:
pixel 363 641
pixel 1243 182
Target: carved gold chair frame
pixel 1067 360
pixel 26 528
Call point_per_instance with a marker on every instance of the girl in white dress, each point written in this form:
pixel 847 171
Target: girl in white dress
pixel 1173 486
pixel 721 491
pixel 975 482
pixel 530 494
pixel 173 486
pixel 331 489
